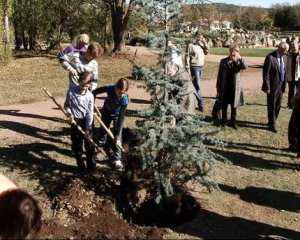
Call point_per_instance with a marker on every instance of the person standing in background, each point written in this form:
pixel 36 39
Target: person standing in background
pixel 274 82
pixel 195 63
pixel 293 71
pixel 229 85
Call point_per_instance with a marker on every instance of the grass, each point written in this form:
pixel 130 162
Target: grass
pixel 210 70
pixel 23 78
pixel 247 52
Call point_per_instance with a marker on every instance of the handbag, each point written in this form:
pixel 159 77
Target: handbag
pixel 216 111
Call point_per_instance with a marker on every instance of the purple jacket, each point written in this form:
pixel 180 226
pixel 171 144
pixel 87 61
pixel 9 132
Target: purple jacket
pixel 71 49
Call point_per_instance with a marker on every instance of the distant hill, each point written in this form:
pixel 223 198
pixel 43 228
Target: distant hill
pixel 227 11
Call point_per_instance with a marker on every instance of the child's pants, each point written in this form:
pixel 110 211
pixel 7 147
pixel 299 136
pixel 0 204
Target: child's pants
pixel 114 153
pixel 77 147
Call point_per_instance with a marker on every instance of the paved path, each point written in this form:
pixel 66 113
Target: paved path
pixel 14 119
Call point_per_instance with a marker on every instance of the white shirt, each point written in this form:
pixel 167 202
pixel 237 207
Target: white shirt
pixel 77 61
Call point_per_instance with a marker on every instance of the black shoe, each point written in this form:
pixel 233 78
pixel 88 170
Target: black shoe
pixel 81 171
pixel 272 129
pixel 292 148
pixel 91 169
pixel 216 122
pixel 223 122
pixel 200 108
pixel 233 125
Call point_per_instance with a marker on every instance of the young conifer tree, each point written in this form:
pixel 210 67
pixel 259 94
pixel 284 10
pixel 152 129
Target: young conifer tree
pixel 172 148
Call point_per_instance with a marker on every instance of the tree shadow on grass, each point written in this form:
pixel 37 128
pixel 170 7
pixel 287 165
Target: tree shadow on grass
pixel 262 105
pixel 33 131
pixel 251 145
pixel 17 113
pixel 33 54
pixel 37 160
pixel 211 225
pixel 258 149
pixel 252 162
pixel 281 200
pixel 248 124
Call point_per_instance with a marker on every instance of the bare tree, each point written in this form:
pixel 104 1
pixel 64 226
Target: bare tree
pixel 120 11
pixel 5 37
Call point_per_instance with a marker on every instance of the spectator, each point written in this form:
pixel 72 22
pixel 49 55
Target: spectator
pixel 229 86
pixel 20 215
pixel 195 63
pixel 293 71
pixel 274 82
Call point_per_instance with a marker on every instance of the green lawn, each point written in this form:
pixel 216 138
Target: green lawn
pixel 247 52
pixel 24 77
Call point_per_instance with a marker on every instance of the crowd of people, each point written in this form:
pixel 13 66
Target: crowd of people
pixel 281 68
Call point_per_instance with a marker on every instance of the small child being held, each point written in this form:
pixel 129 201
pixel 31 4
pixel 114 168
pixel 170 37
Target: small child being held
pixel 113 110
pixel 80 105
pixel 77 63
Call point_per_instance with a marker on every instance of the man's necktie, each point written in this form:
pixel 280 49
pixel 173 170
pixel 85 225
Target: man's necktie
pixel 282 71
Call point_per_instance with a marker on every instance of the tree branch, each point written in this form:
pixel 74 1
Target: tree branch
pixel 128 13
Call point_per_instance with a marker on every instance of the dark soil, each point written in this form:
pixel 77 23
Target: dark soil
pixel 91 216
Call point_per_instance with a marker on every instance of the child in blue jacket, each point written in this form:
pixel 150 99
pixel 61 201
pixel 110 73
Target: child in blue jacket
pixel 113 110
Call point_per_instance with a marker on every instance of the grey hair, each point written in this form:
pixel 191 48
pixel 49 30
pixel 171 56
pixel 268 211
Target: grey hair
pixel 283 45
pixel 81 38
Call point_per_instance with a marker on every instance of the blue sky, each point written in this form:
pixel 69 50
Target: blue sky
pixel 262 3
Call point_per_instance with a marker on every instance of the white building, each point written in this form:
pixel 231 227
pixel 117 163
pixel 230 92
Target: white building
pixel 223 25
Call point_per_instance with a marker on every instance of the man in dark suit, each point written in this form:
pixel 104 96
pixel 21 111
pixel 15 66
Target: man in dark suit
pixel 274 81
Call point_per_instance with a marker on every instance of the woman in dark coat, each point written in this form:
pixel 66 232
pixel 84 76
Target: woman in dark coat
pixel 229 85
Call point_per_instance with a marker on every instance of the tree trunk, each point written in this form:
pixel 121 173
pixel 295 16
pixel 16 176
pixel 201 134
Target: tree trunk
pixel 118 29
pixel 118 40
pixel 5 38
pixel 18 35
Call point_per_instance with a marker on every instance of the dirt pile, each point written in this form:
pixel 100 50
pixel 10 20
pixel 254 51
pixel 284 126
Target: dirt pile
pixel 80 213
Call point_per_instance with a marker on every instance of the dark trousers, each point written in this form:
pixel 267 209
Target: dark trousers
pixel 196 73
pixel 114 153
pixel 294 129
pixel 294 88
pixel 224 112
pixel 291 93
pixel 78 141
pixel 274 105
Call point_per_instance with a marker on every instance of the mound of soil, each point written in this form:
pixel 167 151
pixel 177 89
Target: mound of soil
pixel 80 213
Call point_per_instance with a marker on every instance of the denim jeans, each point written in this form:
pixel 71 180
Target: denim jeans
pixel 196 72
pixel 114 153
